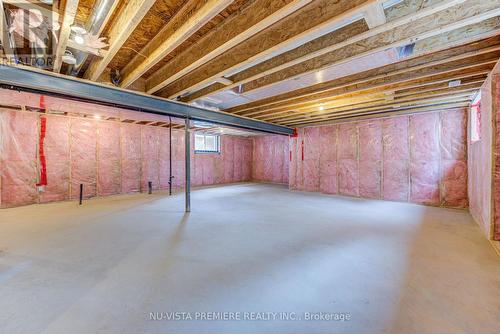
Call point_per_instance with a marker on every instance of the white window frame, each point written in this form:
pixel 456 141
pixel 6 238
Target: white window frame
pixel 475 120
pixel 204 150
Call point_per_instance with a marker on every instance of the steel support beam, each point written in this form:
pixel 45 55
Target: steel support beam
pixel 49 84
pixel 187 145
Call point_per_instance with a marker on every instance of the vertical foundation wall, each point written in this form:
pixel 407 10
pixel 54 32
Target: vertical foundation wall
pixel 270 159
pixel 480 165
pixel 419 158
pixel 107 156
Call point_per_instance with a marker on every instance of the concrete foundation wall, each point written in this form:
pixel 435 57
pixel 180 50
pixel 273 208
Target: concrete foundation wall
pixel 480 166
pixel 419 158
pixel 107 156
pixel 270 159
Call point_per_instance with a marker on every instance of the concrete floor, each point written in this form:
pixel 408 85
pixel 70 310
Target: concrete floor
pixel 103 267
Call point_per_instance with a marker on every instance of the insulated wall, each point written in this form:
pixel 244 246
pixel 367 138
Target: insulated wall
pixel 106 156
pixel 270 159
pixel 419 158
pixel 484 161
pixel 495 104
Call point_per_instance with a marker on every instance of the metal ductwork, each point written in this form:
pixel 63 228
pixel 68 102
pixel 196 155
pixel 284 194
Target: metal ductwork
pixel 98 19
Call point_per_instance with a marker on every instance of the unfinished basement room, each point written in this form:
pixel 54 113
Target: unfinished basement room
pixel 250 166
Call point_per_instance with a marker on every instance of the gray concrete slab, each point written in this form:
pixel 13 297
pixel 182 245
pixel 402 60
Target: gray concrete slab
pixel 106 266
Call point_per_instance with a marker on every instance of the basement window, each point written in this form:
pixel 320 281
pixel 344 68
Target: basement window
pixel 475 120
pixel 204 143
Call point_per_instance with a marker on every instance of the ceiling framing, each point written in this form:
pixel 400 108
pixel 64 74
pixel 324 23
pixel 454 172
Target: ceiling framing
pixel 288 62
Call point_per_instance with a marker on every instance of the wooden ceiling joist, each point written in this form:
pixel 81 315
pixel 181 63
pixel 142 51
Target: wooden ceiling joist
pixel 315 20
pixel 128 19
pixel 308 94
pixel 308 55
pixel 464 95
pixel 391 106
pixel 70 9
pixel 250 20
pixel 390 91
pixel 388 113
pixel 420 80
pixel 389 78
pixel 430 26
pixel 467 90
pixel 192 16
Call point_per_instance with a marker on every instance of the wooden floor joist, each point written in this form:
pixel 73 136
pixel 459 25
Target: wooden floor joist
pixel 70 9
pixel 319 47
pixel 470 89
pixel 309 94
pixel 250 20
pixel 314 21
pixel 430 26
pixel 128 19
pixel 432 97
pixel 193 15
pixel 416 72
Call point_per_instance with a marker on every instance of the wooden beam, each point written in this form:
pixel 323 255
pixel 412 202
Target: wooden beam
pixel 224 81
pixel 248 21
pixel 435 97
pixel 345 105
pixel 315 20
pixel 451 64
pixel 70 10
pixel 389 113
pixel 191 17
pixel 421 80
pixel 319 47
pixel 430 26
pixel 409 64
pixel 128 19
pixel 380 94
pixel 395 107
pixel 375 16
pixel 4 34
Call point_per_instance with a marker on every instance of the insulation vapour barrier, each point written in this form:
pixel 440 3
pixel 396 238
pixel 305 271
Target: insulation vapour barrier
pixel 270 159
pixel 18 156
pixel 403 158
pixel 107 157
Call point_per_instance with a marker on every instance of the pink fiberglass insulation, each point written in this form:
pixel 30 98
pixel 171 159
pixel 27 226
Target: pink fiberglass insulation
pixel 233 164
pixel 396 159
pixel 328 159
pixel 18 158
pixel 425 158
pixel 150 146
pixel 109 158
pixel 106 156
pixel 57 159
pixel 454 159
pixel 311 159
pixel 228 154
pixel 164 158
pixel 370 158
pixel 270 154
pixel 495 89
pixel 178 162
pixel 83 148
pixel 131 159
pixel 347 150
